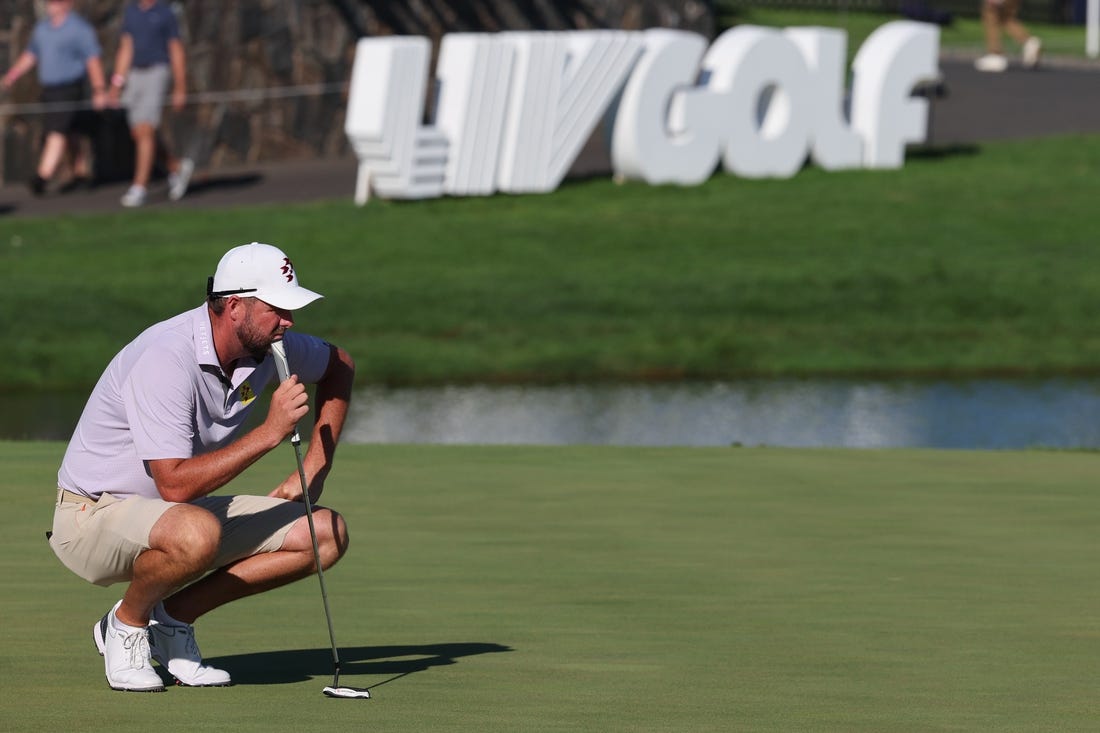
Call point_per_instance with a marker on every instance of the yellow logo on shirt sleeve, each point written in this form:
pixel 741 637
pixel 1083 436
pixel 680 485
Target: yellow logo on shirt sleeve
pixel 247 395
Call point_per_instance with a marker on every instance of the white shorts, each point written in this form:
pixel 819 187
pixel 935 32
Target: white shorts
pixel 99 541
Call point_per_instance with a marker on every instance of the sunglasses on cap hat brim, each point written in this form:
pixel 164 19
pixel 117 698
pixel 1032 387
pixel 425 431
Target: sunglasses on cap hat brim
pixel 224 293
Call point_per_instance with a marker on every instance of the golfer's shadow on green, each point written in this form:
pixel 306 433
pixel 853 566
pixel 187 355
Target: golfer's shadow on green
pixel 298 665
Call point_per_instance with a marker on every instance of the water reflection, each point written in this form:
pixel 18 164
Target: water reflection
pixel 976 414
pixel 985 414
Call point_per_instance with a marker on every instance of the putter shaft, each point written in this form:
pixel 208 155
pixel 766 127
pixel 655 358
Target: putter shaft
pixel 282 368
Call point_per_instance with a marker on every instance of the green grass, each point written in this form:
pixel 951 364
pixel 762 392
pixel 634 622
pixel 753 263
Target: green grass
pixel 972 262
pixel 963 35
pixel 621 589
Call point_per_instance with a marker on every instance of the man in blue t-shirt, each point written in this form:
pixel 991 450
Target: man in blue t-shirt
pixel 150 56
pixel 64 47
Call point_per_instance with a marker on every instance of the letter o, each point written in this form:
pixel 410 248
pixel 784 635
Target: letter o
pixel 769 101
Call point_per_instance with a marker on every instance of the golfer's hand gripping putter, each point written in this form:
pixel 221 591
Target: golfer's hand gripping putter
pixel 282 368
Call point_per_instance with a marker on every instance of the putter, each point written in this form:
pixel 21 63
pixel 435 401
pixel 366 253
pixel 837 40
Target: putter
pixel 282 368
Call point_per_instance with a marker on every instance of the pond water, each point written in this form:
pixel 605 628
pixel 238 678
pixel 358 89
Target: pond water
pixel 978 414
pixel 973 415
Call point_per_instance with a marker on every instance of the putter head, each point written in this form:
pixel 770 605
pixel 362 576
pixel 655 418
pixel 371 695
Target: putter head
pixel 350 693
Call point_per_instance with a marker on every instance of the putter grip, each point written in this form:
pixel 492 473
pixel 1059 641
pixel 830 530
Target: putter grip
pixel 282 368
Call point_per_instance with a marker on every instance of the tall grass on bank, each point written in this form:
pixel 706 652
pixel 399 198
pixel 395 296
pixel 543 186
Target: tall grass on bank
pixel 966 261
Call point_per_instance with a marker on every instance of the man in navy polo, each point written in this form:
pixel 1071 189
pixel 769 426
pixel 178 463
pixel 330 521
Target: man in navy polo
pixel 150 57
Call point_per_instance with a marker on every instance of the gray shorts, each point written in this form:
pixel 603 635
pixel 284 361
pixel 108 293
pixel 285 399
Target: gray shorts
pixel 99 541
pixel 144 95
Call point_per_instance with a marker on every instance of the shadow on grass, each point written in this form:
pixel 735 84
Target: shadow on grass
pixel 215 183
pixel 298 665
pixel 934 151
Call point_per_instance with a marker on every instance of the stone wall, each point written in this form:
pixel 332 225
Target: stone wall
pixel 267 78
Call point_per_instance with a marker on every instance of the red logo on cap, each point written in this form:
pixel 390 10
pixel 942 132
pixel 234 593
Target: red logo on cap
pixel 288 269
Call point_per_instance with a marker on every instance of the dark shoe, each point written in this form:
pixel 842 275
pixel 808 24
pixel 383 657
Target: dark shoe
pixel 37 185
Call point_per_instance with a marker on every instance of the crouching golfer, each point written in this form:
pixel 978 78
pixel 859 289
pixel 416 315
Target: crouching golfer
pixel 160 434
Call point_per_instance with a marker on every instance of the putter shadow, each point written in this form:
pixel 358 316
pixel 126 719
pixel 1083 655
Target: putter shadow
pixel 300 665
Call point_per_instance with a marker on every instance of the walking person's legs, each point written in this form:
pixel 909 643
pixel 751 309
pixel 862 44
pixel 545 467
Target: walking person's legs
pixel 1000 17
pixel 144 137
pixel 57 125
pixel 53 150
pixel 144 97
pixel 991 25
pixel 1030 46
pixel 992 20
pixel 79 160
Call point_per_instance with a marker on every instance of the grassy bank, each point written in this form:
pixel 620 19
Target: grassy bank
pixel 963 35
pixel 963 262
pixel 601 589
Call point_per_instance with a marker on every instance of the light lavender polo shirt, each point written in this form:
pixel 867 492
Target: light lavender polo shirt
pixel 165 396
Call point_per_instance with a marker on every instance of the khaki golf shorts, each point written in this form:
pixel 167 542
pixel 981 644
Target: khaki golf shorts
pixel 99 540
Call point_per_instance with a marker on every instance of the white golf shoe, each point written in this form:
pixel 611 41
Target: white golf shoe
pixel 173 645
pixel 180 180
pixel 1033 48
pixel 126 658
pixel 994 62
pixel 135 196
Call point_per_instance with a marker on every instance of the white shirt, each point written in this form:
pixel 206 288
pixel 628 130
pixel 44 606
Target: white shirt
pixel 165 396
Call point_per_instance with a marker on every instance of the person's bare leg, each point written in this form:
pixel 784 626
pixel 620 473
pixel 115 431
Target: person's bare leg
pixel 53 150
pixel 1017 30
pixel 145 148
pixel 264 572
pixel 182 546
pixel 78 154
pixel 991 26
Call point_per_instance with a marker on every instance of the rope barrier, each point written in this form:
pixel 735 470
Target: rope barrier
pixel 239 95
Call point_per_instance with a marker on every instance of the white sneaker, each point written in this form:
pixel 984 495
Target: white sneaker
pixel 991 62
pixel 178 181
pixel 125 656
pixel 173 645
pixel 134 196
pixel 1033 47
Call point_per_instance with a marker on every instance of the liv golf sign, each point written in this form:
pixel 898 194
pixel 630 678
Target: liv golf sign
pixel 513 110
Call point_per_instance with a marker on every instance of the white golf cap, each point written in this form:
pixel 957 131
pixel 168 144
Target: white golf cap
pixel 260 271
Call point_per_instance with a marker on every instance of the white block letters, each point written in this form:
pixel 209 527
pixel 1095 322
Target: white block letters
pixel 889 63
pixel 514 109
pixel 668 129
